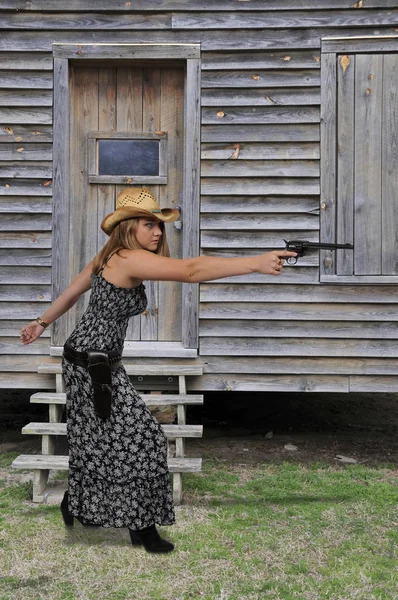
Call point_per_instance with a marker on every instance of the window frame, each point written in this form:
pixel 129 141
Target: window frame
pixel 331 48
pixel 92 140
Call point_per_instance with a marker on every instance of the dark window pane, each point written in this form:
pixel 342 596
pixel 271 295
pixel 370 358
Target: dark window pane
pixel 128 157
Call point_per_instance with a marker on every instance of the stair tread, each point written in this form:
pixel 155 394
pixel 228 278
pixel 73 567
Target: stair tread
pixel 171 431
pixel 42 461
pixel 149 399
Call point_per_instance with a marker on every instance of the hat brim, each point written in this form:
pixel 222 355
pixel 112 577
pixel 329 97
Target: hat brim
pixel 167 215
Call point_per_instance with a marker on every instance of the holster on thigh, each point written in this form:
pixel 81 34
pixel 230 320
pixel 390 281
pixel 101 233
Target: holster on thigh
pixel 101 376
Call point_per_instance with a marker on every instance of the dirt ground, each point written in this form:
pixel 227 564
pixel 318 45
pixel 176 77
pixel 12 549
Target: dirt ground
pixel 255 428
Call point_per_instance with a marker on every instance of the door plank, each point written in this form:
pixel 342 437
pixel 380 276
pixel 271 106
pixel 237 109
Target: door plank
pixel 83 233
pixel 368 100
pixel 129 118
pixel 172 121
pixel 389 162
pixel 345 162
pixel 151 122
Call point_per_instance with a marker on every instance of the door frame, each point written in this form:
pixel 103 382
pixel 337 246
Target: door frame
pixel 63 54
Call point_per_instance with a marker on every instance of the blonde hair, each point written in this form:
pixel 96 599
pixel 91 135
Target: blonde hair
pixel 123 238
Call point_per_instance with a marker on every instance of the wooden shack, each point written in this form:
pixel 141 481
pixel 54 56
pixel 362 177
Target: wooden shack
pixel 270 119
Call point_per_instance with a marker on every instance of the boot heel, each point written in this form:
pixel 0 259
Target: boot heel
pixel 135 540
pixel 67 517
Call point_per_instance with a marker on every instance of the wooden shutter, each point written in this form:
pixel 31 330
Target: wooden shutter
pixel 359 148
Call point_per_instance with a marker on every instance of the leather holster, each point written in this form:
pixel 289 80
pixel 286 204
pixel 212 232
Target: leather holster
pixel 101 376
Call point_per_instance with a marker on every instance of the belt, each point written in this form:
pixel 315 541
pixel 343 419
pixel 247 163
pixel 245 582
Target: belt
pixel 81 358
pixel 99 365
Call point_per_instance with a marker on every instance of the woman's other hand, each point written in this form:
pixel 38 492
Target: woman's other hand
pixel 30 332
pixel 272 263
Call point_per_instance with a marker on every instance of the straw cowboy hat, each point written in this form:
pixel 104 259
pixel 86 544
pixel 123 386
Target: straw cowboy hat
pixel 135 203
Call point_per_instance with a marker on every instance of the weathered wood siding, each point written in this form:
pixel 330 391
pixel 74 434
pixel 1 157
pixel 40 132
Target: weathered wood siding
pixel 259 180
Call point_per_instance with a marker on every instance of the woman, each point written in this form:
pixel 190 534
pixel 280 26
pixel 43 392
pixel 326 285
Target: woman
pixel 118 474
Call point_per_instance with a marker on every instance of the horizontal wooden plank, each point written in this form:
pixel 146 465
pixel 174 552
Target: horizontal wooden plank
pixel 27 61
pixel 170 431
pixel 298 96
pixel 19 152
pixel 381 384
pixel 261 204
pixel 31 381
pixel 26 222
pixel 300 275
pixel 149 399
pixel 192 5
pixel 306 59
pixel 271 383
pixel 248 346
pixel 11 328
pixel 148 349
pixel 281 365
pixel 41 461
pixel 20 364
pixel 23 293
pixel 26 98
pixel 25 133
pixel 123 179
pixel 308 132
pixel 26 115
pixel 19 187
pixel 90 21
pixel 21 310
pixel 29 204
pixel 146 370
pixel 383 294
pixel 248 39
pixel 259 114
pixel 309 260
pixel 360 279
pixel 364 43
pixel 299 312
pixel 25 257
pixel 25 240
pixel 298 329
pixel 253 221
pixel 25 275
pixel 260 78
pixel 259 185
pixel 291 19
pixel 12 345
pixel 259 168
pixel 127 50
pixel 26 170
pixel 25 80
pixel 271 240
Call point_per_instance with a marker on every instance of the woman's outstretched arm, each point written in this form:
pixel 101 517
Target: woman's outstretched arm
pixel 61 305
pixel 147 265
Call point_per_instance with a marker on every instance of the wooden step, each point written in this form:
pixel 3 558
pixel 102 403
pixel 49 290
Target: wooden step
pixel 149 399
pixel 171 431
pixel 144 370
pixel 60 463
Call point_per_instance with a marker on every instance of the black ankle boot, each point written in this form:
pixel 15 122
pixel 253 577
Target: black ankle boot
pixel 150 539
pixel 68 518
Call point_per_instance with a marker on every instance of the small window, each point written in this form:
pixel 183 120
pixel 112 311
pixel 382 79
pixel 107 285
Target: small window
pixel 120 158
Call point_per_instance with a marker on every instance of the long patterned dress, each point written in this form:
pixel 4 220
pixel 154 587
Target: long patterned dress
pixel 118 475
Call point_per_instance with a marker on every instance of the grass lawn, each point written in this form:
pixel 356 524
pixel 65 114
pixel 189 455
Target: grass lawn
pixel 266 531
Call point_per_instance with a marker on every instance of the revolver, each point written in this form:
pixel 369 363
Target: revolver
pixel 301 247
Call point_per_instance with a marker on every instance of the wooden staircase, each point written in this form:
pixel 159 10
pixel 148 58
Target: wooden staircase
pixel 42 464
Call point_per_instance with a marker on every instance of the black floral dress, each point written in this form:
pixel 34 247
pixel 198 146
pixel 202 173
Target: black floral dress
pixel 118 475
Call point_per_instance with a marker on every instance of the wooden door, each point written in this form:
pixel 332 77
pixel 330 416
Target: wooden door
pixel 127 97
pixel 359 108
